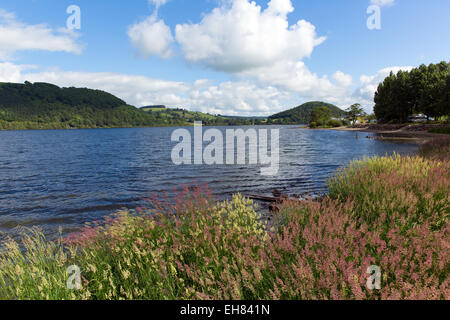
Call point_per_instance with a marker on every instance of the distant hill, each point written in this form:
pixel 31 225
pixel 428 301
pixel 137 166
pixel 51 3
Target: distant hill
pixel 207 119
pixel 302 114
pixel 47 106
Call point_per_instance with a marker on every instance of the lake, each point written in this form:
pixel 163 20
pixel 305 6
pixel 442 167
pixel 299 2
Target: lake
pixel 65 178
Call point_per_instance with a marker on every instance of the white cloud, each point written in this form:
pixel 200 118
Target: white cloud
pixel 202 83
pixel 151 37
pixel 239 36
pixel 18 36
pixel 343 79
pixel 280 7
pixel 240 98
pixel 10 72
pixel 296 78
pixel 257 46
pixel 382 3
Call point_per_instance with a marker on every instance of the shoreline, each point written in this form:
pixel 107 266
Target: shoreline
pixel 189 125
pixel 419 133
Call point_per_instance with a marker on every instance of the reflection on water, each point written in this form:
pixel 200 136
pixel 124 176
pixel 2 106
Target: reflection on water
pixel 67 178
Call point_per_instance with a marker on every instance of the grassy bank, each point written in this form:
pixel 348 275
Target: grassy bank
pixel 391 212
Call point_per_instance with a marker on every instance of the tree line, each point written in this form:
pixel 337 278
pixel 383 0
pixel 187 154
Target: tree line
pixel 423 90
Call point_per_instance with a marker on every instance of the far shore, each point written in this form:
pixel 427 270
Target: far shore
pixel 419 133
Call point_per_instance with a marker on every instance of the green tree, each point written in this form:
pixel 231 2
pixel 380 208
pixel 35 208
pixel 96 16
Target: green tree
pixel 354 112
pixel 321 116
pixel 383 98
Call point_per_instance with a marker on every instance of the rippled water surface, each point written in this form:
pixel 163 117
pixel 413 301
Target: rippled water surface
pixel 67 178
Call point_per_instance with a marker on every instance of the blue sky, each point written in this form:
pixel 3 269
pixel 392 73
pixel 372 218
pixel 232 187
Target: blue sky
pixel 229 56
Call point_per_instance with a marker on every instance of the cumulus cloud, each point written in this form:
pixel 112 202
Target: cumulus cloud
pixel 240 98
pixel 382 3
pixel 18 36
pixel 296 78
pixel 342 78
pixel 239 36
pixel 10 72
pixel 257 46
pixel 151 37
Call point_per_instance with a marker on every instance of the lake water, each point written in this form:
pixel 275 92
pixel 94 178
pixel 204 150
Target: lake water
pixel 67 178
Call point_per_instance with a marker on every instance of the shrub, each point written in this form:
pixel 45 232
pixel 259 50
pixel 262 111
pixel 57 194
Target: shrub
pixel 395 190
pixel 323 253
pixel 335 123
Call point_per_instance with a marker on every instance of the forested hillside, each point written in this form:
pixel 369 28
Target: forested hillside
pixel 302 114
pixel 46 106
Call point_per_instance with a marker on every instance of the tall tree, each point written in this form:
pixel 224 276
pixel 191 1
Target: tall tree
pixel 354 112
